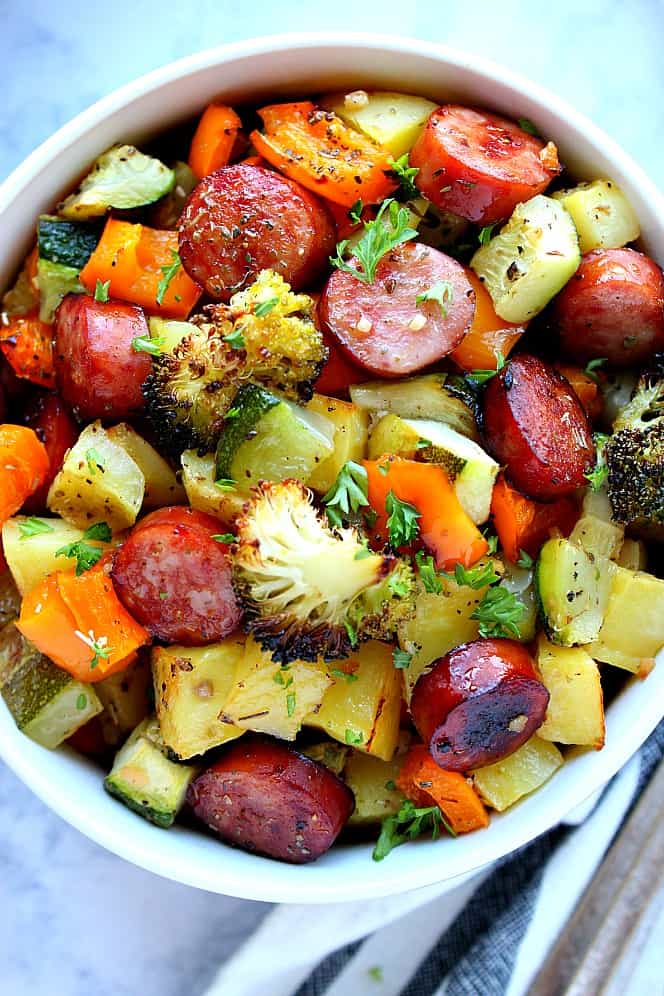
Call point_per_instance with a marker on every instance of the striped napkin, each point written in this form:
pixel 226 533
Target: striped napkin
pixel 488 937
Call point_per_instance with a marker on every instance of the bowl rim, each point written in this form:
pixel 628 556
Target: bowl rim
pixel 289 886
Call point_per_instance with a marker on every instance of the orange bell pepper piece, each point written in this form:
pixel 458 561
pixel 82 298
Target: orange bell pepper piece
pixel 424 783
pixel 213 139
pixel 524 524
pixel 489 336
pixel 24 465
pixel 445 528
pixel 143 267
pixel 80 623
pixel 585 388
pixel 28 346
pixel 318 150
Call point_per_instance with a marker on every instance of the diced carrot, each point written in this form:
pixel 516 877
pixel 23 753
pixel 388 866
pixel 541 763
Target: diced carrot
pixel 445 528
pixel 24 465
pixel 424 783
pixel 341 215
pixel 142 266
pixel 338 373
pixel 524 524
pixel 585 388
pixel 213 139
pixel 318 150
pixel 489 336
pixel 28 346
pixel 255 161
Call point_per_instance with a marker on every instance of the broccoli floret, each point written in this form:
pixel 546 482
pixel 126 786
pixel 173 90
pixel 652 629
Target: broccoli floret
pixel 635 457
pixel 266 335
pixel 309 591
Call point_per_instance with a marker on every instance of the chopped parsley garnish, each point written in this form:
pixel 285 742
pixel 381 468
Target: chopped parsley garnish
pixel 480 377
pixel 525 560
pixel 144 344
pixel 94 460
pixel 526 125
pixel 499 613
pixel 281 679
pixel 491 540
pixel 101 290
pixel 402 524
pixel 409 823
pixel 351 632
pixel 355 212
pixel 225 484
pixel 364 552
pixel 336 672
pixel 224 537
pixel 99 531
pixel 87 556
pixel 290 704
pixel 428 574
pixel 598 475
pixel 397 585
pixel 484 236
pixel 265 307
pixel 473 577
pixel 169 272
pixel 381 235
pixel 401 658
pixel 353 738
pixel 594 365
pixel 231 414
pixel 375 973
pixel 33 527
pixel 441 292
pixel 82 699
pixel 423 444
pixel 98 645
pixel 235 339
pixel 405 174
pixel 348 493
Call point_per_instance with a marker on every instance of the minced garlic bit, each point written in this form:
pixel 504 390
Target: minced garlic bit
pixel 549 156
pixel 364 325
pixel 357 98
pixel 416 323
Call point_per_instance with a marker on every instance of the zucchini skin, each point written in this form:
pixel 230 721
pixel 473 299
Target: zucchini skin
pixel 67 242
pixel 252 403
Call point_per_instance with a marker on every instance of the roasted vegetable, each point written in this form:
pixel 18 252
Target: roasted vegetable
pixel 122 177
pixel 310 592
pixel 632 633
pixel 575 713
pixel 266 334
pixel 502 783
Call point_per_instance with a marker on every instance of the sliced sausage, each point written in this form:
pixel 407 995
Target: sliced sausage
pixel 383 327
pixel 612 307
pixel 244 219
pixel 480 165
pixel 265 796
pixel 479 703
pixel 175 579
pixel 535 426
pixel 181 515
pixel 51 420
pixel 98 373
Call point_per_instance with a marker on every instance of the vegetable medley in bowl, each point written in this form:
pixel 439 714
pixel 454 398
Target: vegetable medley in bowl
pixel 332 463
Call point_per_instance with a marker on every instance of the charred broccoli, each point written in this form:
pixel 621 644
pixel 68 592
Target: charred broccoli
pixel 311 592
pixel 635 457
pixel 266 335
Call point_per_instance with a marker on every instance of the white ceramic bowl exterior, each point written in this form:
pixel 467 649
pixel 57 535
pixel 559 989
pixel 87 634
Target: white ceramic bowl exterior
pixel 264 69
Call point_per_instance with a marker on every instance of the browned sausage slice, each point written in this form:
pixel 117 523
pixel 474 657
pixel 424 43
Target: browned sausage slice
pixel 265 796
pixel 383 327
pixel 535 426
pixel 244 219
pixel 175 579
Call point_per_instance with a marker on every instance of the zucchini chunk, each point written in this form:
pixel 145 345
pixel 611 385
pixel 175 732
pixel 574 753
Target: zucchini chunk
pixel 601 213
pixel 471 469
pixel 121 178
pixel 144 779
pixel 391 120
pixel 55 281
pixel 47 704
pixel 66 242
pixel 503 783
pixel 31 558
pixel 127 700
pixel 271 439
pixel 575 713
pixel 530 260
pixel 426 397
pixel 633 630
pixel 573 588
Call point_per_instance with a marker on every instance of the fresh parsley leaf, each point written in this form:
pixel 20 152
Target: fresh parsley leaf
pixel 473 577
pixel 231 414
pixel 499 613
pixel 351 632
pixel 235 339
pixel 283 679
pixel 82 699
pixel 144 344
pixel 594 365
pixel 525 560
pixel 101 653
pixel 355 212
pixel 33 527
pixel 410 822
pixel 402 524
pixel 526 125
pixel 598 475
pixel 383 469
pixel 480 377
pixel 423 444
pixel 353 738
pixel 401 658
pixel 348 676
pixel 225 484
pixel 101 290
pixel 484 236
pixel 169 272
pixel 381 235
pixel 428 573
pixel 224 537
pixel 375 973
pixel 391 785
pixel 348 493
pixel 491 540
pixel 398 585
pixel 94 460
pixel 290 704
pixel 364 552
pixel 99 531
pixel 441 292
pixel 265 307
pixel 86 556
pixel 405 174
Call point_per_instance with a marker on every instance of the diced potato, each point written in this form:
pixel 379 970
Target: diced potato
pixel 330 753
pixel 632 633
pixel 192 685
pixel 598 537
pixel 98 481
pixel 198 477
pixel 161 485
pixel 364 713
pixel 601 213
pixel 441 622
pixel 32 558
pixel 127 700
pixel 350 438
pixel 392 120
pixel 371 780
pixel 575 714
pixel 169 332
pixel 633 555
pixel 270 699
pixel 502 784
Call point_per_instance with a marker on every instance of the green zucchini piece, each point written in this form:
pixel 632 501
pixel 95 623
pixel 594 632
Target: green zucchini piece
pixel 166 213
pixel 66 242
pixel 145 780
pixel 530 260
pixel 573 589
pixel 520 581
pixel 417 397
pixel 47 704
pixel 271 439
pixel 121 178
pixel 55 281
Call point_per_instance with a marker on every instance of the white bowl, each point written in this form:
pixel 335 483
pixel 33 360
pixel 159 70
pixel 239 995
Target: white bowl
pixel 261 70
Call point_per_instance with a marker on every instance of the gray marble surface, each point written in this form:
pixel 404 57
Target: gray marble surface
pixel 77 920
